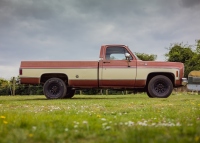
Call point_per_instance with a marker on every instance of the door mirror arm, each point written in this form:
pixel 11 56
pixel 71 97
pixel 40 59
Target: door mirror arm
pixel 128 58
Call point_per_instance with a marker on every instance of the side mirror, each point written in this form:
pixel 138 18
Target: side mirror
pixel 128 56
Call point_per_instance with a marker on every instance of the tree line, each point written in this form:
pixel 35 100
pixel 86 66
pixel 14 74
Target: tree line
pixel 177 52
pixel 6 88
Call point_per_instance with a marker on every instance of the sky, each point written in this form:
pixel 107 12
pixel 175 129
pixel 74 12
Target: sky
pixel 76 29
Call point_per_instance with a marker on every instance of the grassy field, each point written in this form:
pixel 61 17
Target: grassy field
pixel 100 119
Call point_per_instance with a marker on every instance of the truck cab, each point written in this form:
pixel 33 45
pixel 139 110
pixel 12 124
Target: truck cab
pixel 117 67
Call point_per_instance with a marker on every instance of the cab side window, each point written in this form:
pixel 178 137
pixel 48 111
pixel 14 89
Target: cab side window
pixel 116 53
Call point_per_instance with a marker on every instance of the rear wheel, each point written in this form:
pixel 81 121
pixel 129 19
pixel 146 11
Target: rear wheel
pixel 70 93
pixel 160 86
pixel 54 88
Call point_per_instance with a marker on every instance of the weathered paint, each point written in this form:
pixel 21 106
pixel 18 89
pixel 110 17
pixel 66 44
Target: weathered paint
pixel 72 74
pixel 105 73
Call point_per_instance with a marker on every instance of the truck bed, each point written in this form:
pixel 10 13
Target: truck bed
pixel 78 72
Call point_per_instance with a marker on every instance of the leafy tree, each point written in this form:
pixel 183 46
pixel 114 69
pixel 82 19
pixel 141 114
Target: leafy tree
pixel 4 87
pixel 179 53
pixel 146 57
pixel 20 89
pixel 185 54
pixel 3 82
pixel 198 46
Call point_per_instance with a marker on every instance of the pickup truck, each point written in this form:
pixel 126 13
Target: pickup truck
pixel 118 68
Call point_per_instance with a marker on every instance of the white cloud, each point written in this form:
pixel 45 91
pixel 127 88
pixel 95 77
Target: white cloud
pixel 75 30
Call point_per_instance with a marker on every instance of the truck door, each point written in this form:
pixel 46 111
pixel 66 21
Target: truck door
pixel 115 70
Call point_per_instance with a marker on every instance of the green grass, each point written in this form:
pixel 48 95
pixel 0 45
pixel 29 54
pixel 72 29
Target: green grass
pixel 100 119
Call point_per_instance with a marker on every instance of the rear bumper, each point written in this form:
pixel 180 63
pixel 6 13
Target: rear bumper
pixel 184 81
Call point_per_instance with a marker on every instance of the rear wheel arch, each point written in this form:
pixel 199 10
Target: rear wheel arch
pixel 47 76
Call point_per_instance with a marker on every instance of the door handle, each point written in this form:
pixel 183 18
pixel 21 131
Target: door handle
pixel 106 62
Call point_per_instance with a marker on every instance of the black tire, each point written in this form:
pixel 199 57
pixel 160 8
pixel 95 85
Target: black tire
pixel 160 86
pixel 149 95
pixel 70 93
pixel 54 88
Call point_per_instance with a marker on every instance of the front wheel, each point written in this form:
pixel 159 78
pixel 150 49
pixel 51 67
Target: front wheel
pixel 160 86
pixel 54 88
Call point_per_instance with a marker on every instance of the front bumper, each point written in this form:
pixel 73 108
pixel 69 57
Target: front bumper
pixel 184 81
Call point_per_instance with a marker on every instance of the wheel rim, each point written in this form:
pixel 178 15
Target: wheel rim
pixel 160 87
pixel 54 89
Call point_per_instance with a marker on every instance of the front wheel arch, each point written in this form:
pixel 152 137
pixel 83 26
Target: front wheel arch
pixel 171 76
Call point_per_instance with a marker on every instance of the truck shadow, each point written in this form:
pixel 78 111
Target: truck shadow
pixel 81 98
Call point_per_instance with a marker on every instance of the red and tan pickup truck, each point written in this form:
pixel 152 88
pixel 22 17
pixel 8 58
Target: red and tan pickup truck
pixel 117 68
